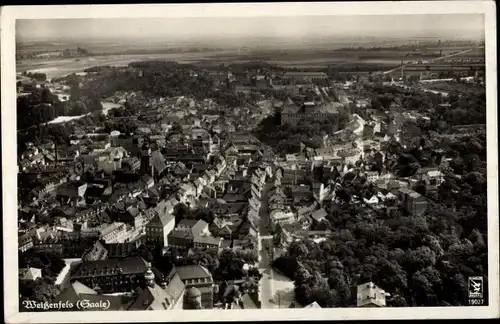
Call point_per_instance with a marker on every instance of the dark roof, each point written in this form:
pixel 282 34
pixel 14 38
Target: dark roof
pixel 96 251
pixel 69 190
pixel 146 178
pixel 233 198
pixel 207 240
pixel 188 222
pixel 131 265
pixel 177 236
pixel 121 249
pixel 231 208
pixel 305 74
pixel 192 272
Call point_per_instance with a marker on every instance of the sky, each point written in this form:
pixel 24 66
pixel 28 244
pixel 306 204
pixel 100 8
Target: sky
pixel 220 27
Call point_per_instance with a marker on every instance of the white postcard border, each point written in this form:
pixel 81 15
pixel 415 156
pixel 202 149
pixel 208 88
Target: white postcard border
pixel 9 162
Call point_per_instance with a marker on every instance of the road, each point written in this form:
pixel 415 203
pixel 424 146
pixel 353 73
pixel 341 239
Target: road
pixel 266 289
pixel 265 220
pixel 436 59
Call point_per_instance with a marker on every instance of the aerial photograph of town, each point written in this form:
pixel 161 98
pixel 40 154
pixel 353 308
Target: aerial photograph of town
pixel 281 162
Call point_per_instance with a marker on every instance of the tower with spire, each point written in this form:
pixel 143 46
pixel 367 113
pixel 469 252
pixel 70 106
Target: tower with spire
pixel 146 165
pixel 193 296
pixel 149 276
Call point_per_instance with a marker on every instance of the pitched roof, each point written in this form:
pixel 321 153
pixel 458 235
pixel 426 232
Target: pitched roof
pixel 293 73
pixel 319 214
pixel 207 240
pixel 289 107
pixel 180 234
pixel 130 265
pixel 281 236
pixel 163 209
pixel 192 272
pixel 152 298
pixel 247 302
pixel 175 287
pixel 158 161
pixel 75 292
pixel 146 178
pixel 198 228
pixel 30 273
pixel 80 288
pixel 313 305
pixel 187 222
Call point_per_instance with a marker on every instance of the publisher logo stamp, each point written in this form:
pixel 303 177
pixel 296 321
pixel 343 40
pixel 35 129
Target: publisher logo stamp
pixel 476 287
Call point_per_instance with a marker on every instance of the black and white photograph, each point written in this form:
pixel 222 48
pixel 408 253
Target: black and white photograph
pixel 251 164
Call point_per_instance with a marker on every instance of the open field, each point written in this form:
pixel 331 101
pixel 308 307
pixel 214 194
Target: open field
pixel 473 53
pixel 454 87
pixel 341 60
pixel 61 67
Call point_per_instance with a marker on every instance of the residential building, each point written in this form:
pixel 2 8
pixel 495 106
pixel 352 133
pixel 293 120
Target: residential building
pixel 30 274
pixel 200 228
pixel 111 275
pixel 196 276
pixel 319 215
pixel 371 176
pixel 186 225
pixel 291 113
pixel 412 202
pixel 180 239
pixel 221 228
pixel 370 295
pixel 313 305
pixel 432 177
pixel 124 249
pixel 207 242
pixel 77 292
pixel 160 226
pixel 160 297
pixel 97 252
pixel 25 242
pixel 304 77
pixel 114 232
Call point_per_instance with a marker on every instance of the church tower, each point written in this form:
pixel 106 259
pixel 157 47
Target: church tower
pixel 193 298
pixel 150 277
pixel 146 165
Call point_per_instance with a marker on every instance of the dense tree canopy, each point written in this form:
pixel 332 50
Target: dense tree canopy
pixel 160 79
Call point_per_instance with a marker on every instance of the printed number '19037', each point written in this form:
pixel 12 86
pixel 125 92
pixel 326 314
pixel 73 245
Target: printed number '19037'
pixel 476 301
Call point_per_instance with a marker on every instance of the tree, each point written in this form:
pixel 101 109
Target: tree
pixel 144 252
pixel 46 96
pixel 180 212
pixel 39 290
pixel 298 250
pixel 344 194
